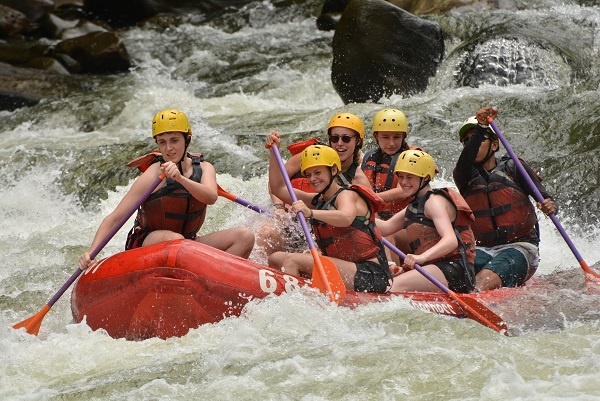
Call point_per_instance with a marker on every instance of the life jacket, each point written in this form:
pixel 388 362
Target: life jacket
pixel 378 166
pixel 298 180
pixel 358 242
pixel 503 212
pixel 422 234
pixel 171 207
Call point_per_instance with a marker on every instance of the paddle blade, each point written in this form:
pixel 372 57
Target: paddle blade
pixel 226 194
pixel 477 311
pixel 326 277
pixel 33 324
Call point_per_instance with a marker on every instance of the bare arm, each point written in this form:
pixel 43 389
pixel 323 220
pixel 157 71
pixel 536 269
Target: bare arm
pixel 393 225
pixel 438 209
pixel 205 191
pixel 141 184
pixel 276 182
pixel 348 205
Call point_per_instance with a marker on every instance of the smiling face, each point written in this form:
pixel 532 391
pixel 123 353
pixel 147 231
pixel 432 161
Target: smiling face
pixel 344 149
pixel 171 145
pixel 409 183
pixel 390 142
pixel 319 177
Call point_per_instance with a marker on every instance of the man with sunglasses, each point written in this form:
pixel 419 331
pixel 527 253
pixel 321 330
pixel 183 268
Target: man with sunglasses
pixel 506 226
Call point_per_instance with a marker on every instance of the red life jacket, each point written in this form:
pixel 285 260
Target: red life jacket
pixel 423 235
pixel 503 212
pixel 298 180
pixel 358 242
pixel 172 207
pixel 378 166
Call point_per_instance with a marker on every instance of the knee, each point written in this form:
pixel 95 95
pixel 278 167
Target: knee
pixel 247 236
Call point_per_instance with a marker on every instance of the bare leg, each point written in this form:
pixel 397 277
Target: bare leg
pixel 487 280
pixel 302 265
pixel 412 280
pixel 161 236
pixel 236 241
pixel 270 238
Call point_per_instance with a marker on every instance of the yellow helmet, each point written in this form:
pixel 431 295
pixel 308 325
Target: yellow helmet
pixel 319 155
pixel 390 120
pixel 347 120
pixel 415 162
pixel 468 125
pixel 169 121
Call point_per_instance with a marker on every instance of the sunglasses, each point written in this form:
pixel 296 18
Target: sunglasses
pixel 344 138
pixel 466 139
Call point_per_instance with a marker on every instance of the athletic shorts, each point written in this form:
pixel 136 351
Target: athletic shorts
pixel 137 236
pixel 456 275
pixel 371 277
pixel 509 262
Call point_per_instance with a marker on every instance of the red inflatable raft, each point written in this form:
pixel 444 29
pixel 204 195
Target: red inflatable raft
pixel 166 289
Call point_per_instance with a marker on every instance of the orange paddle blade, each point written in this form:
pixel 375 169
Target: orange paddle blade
pixel 326 277
pixel 33 324
pixel 477 311
pixel 225 194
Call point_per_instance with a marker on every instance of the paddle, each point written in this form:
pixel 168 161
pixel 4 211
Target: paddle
pixel 538 197
pixel 242 202
pixel 32 324
pixel 328 279
pixel 474 309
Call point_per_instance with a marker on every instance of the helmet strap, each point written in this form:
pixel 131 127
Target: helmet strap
pixel 422 184
pixel 489 154
pixel 316 198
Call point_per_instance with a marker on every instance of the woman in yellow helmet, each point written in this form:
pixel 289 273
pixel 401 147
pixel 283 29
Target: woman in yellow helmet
pixel 390 130
pixel 437 224
pixel 176 209
pixel 346 133
pixel 342 218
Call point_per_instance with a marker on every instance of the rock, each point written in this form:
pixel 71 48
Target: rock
pixel 96 52
pixel 380 50
pixel 12 22
pixel 333 9
pixel 32 9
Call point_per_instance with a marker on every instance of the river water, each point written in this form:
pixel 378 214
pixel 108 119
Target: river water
pixel 62 164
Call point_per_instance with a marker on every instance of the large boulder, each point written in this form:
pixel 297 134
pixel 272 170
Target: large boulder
pixel 380 49
pixel 333 9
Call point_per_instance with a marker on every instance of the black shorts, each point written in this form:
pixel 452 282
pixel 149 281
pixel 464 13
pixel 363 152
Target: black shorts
pixel 457 276
pixel 137 236
pixel 371 277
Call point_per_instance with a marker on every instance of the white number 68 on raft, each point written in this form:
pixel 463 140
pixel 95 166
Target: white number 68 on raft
pixel 268 282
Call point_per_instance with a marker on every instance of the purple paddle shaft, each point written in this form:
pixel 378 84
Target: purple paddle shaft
pixel 249 205
pixel 534 189
pixel 288 184
pixel 417 267
pixel 108 237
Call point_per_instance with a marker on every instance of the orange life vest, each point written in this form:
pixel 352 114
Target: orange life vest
pixel 423 235
pixel 171 207
pixel 358 242
pixel 378 166
pixel 503 212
